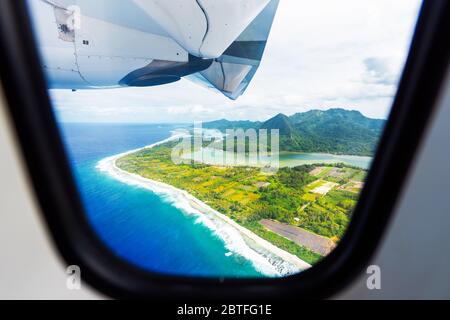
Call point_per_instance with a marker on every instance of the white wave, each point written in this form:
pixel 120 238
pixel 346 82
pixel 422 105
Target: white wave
pixel 265 257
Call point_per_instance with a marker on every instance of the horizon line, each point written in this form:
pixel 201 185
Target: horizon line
pixel 185 123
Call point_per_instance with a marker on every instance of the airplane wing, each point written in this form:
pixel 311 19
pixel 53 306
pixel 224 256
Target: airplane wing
pixel 233 71
pixel 217 43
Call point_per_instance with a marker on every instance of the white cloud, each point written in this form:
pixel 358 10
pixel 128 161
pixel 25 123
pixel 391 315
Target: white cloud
pixel 320 54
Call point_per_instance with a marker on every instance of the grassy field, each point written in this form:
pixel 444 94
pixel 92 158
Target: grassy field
pixel 247 195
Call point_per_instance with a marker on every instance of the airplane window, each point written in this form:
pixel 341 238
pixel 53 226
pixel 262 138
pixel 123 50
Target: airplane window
pixel 219 139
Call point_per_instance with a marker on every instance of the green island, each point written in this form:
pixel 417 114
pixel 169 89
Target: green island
pixel 317 198
pixel 304 210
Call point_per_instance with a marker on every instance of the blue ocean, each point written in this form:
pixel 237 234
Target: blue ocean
pixel 136 224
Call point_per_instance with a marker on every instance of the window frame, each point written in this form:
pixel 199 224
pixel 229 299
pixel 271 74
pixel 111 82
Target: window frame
pixel 48 168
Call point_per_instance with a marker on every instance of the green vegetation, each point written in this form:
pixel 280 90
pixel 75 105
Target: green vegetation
pixel 336 131
pixel 329 215
pixel 318 198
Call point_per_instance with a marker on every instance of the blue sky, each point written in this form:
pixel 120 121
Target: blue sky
pixel 321 54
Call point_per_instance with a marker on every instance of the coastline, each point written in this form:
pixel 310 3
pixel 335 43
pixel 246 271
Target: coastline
pixel 266 258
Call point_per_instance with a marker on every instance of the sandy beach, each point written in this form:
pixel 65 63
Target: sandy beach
pixel 266 258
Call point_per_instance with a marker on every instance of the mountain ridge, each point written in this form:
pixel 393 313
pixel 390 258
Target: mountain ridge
pixel 336 131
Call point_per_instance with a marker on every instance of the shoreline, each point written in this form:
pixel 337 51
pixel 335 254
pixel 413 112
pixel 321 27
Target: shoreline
pixel 265 257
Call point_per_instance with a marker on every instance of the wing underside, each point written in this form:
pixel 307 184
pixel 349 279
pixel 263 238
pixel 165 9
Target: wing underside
pixel 230 34
pixel 216 43
pixel 233 71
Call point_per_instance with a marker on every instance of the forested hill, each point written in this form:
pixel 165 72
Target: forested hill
pixel 335 131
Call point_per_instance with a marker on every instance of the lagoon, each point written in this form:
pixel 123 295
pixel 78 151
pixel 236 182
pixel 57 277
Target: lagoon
pixel 293 159
pixel 286 159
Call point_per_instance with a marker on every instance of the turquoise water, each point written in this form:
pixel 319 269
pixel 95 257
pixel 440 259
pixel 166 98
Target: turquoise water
pixel 286 159
pixel 135 223
pixel 298 159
